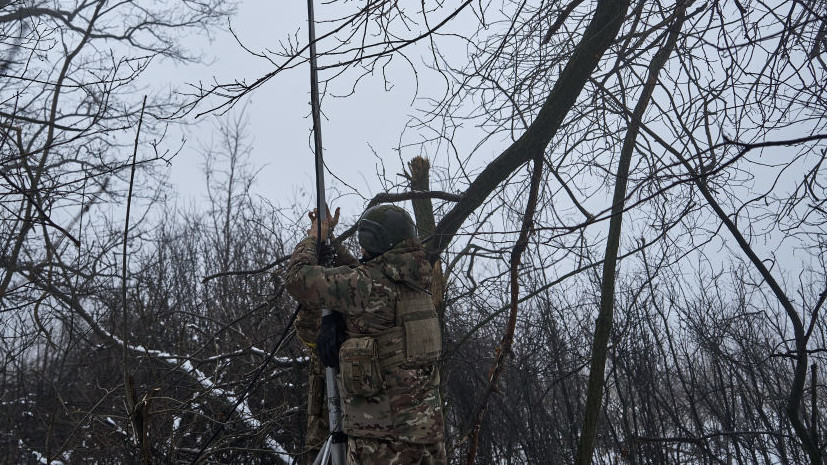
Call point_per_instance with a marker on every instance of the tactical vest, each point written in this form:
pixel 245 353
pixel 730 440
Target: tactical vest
pixel 415 342
pixel 388 378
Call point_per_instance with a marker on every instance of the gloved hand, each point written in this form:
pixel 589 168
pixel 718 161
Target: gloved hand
pixel 327 226
pixel 327 255
pixel 331 336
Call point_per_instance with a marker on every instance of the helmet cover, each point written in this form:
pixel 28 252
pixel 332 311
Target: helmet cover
pixel 383 226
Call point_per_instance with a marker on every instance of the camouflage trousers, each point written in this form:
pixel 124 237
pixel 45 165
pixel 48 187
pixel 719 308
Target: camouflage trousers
pixel 317 428
pixel 368 451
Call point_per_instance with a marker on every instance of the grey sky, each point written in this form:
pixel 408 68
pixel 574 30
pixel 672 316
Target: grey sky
pixel 371 119
pixel 279 111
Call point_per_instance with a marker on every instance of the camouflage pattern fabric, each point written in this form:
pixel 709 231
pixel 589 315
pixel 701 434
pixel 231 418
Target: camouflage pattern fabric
pixel 310 316
pixel 307 325
pixel 364 451
pixel 409 409
pixel 317 415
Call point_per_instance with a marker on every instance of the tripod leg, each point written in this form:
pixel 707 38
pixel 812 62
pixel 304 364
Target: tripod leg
pixel 324 455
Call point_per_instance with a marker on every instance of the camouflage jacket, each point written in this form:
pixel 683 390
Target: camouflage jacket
pixel 309 317
pixel 406 405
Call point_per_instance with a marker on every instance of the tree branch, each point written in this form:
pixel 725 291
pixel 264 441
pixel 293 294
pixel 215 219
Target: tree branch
pixel 598 36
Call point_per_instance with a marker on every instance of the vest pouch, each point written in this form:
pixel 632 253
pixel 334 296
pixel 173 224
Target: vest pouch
pixel 423 342
pixel 359 367
pixel 316 396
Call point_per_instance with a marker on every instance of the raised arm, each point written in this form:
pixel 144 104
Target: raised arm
pixel 343 289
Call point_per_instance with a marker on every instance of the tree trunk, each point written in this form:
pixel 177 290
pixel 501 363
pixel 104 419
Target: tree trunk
pixel 603 325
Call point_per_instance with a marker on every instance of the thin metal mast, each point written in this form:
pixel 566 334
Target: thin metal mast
pixel 337 443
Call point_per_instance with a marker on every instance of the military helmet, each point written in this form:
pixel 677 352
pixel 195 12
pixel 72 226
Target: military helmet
pixel 383 226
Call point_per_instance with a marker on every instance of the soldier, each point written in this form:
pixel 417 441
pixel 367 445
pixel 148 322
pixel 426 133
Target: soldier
pixel 384 336
pixel 307 329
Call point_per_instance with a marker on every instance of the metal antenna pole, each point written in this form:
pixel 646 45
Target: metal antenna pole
pixel 338 440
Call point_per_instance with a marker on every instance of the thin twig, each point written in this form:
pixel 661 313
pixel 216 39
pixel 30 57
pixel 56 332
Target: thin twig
pixel 129 388
pixel 263 269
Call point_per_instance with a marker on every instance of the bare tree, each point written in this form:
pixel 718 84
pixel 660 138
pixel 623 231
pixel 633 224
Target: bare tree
pixel 704 119
pixel 69 104
pixel 675 105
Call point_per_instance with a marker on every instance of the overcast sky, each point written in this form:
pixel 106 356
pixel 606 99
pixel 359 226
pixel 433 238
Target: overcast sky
pixel 353 127
pixel 279 113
